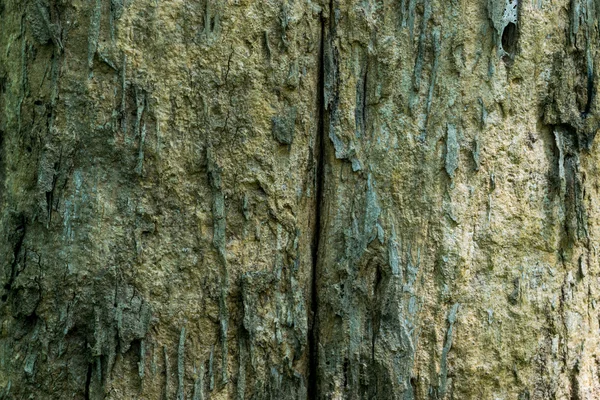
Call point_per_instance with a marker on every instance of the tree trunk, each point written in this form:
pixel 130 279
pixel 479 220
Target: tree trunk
pixel 283 199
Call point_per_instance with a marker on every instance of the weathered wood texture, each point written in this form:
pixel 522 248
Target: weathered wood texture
pixel 285 199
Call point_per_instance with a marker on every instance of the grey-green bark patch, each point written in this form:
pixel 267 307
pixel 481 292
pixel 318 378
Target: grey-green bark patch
pixel 284 126
pixel 452 150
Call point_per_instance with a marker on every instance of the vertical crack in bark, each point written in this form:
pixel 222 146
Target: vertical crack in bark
pixel 20 234
pixel 319 146
pixel 88 382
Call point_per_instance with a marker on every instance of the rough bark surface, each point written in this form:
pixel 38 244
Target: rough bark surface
pixel 285 199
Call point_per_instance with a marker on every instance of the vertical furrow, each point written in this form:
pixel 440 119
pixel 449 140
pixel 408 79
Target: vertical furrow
pixel 319 149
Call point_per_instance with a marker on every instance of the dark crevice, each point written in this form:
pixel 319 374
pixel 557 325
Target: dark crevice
pixel 50 194
pixel 590 94
pixel 376 309
pixel 346 372
pixel 361 99
pixel 566 182
pixel 575 389
pixel 49 200
pixel 20 233
pixel 509 38
pixel 313 339
pixel 364 98
pixel 88 382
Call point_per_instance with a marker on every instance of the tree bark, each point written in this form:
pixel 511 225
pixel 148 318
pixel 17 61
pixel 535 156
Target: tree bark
pixel 235 199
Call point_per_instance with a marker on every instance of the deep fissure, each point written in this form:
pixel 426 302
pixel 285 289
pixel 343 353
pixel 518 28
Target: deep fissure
pixel 319 145
pixel 88 382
